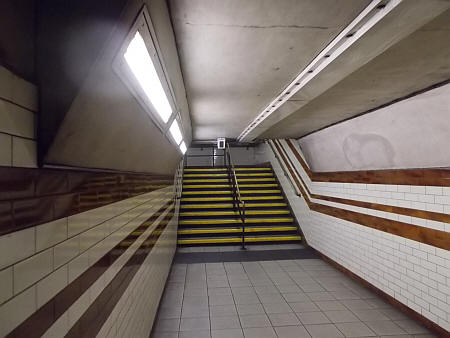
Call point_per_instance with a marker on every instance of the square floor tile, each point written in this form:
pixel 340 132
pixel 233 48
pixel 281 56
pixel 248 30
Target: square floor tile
pixel 195 292
pixel 243 290
pixel 283 319
pixel 260 332
pixel 357 329
pixel 222 310
pixel 221 300
pixel 219 291
pixel 195 334
pixel 319 296
pixel 228 333
pixel 295 297
pixel 330 305
pixel 227 322
pixel 194 311
pixel 169 312
pixel 370 315
pixel 341 316
pixel 194 324
pixel 385 327
pixel 246 299
pixel 357 304
pixel 304 307
pixel 323 331
pixel 292 288
pixel 249 309
pixel 277 308
pixel 411 326
pixel 260 320
pixel 292 332
pixel 271 298
pixel 167 325
pixel 313 318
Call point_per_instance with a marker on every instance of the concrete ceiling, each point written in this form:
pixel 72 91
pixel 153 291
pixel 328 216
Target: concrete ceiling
pixel 236 56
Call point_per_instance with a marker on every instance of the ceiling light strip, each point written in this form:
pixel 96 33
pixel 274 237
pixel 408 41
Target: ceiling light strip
pixel 373 13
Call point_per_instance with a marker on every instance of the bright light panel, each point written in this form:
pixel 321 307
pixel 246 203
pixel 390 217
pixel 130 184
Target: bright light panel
pixel 176 132
pixel 142 66
pixel 183 147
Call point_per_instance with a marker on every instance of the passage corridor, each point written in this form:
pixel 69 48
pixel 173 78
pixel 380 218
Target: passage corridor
pixel 290 298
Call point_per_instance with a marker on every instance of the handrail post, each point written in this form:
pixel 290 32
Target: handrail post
pixel 243 225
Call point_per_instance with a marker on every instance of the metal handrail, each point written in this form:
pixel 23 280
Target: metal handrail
pixel 237 200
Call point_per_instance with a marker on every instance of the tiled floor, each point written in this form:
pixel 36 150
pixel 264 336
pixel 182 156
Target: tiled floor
pixel 285 299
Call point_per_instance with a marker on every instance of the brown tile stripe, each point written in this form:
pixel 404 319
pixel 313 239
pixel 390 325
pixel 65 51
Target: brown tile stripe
pixel 430 177
pixel 425 235
pixel 40 321
pixel 441 332
pixel 29 197
pixel 92 320
pixel 430 215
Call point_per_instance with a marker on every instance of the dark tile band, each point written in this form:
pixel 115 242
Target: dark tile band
pixel 29 197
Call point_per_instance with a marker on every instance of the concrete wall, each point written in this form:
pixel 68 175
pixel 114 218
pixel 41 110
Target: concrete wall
pixel 17 37
pixel 413 133
pixel 88 117
pixel 414 273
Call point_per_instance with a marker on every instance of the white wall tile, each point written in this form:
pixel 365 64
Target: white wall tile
pixel 16 120
pixel 32 269
pixel 65 251
pixel 50 234
pixel 24 153
pixel 6 284
pixel 16 246
pixel 5 150
pixel 78 223
pixel 24 93
pixel 16 310
pixel 6 83
pixel 51 285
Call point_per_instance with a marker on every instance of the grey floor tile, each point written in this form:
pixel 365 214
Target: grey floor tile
pixel 385 327
pixel 330 305
pixel 277 307
pixel 195 292
pixel 283 319
pixel 341 316
pixel 167 325
pixel 271 298
pixel 221 300
pixel 357 329
pixel 218 284
pixel 411 327
pixel 379 303
pixel 240 282
pixel 194 324
pixel 296 297
pixel 227 322
pixel 314 287
pixel 260 320
pixel 289 288
pixel 194 311
pixel 320 296
pixel 345 294
pixel 370 315
pixel 227 333
pixel 243 290
pixel 394 314
pixel 304 307
pixel 249 309
pixel 266 290
pixel 324 331
pixel 222 310
pixel 357 304
pixel 195 334
pixel 260 332
pixel 195 301
pixel 246 299
pixel 169 312
pixel 219 291
pixel 164 335
pixel 292 332
pixel 313 318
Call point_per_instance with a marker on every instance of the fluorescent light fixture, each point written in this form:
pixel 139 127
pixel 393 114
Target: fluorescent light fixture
pixel 183 147
pixel 144 70
pixel 372 14
pixel 176 132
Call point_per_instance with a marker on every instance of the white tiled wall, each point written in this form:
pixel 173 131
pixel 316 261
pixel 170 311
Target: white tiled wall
pixel 416 274
pixel 38 262
pixel 18 107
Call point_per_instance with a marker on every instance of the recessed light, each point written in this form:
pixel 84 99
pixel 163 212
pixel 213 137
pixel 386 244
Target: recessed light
pixel 349 35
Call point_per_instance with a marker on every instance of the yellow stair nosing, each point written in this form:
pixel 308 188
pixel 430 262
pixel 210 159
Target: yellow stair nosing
pixel 234 212
pixel 230 205
pixel 236 221
pixel 238 239
pixel 245 198
pixel 222 192
pixel 234 230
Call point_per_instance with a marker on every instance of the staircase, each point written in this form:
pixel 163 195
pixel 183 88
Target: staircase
pixel 207 216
